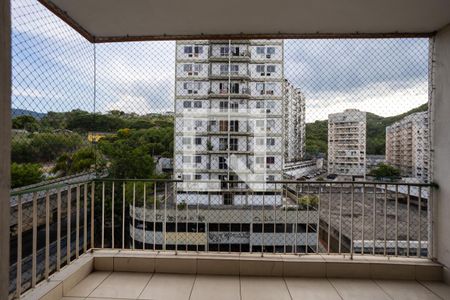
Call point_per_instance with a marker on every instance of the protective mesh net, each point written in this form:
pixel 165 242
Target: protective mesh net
pixel 207 112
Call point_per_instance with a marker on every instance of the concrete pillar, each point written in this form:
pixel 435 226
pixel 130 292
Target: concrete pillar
pixel 440 120
pixel 5 142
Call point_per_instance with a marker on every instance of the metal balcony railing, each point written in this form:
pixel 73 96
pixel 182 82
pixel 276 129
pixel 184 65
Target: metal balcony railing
pixel 53 225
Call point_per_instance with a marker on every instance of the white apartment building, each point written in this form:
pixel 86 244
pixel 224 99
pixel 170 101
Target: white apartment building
pixel 347 143
pixel 229 121
pixel 294 124
pixel 407 146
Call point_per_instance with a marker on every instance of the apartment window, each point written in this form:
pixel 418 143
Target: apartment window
pixel 186 177
pixel 259 142
pixel 227 199
pixel 198 176
pixel 259 159
pixel 259 123
pixel 223 125
pixel 233 144
pixel 223 87
pixel 223 105
pixel 235 51
pixel 270 124
pixel 260 69
pixel 187 104
pixel 234 125
pixel 259 104
pixel 198 141
pixel 198 49
pixel 260 50
pixel 224 51
pixel 270 69
pixel 198 159
pixel 270 50
pixel 198 123
pixel 270 160
pixel 187 49
pixel 270 104
pixel 234 69
pixel 187 159
pixel 222 163
pixel 260 87
pixel 234 106
pixel 234 87
pixel 198 104
pixel 223 144
pixel 187 68
pixel 271 142
pixel 270 178
pixel 198 68
pixel 223 69
pixel 192 87
pixel 270 88
pixel 186 141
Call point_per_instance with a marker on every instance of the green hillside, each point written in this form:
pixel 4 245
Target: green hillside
pixel 317 132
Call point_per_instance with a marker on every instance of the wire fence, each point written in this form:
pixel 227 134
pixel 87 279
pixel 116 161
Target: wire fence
pixel 210 112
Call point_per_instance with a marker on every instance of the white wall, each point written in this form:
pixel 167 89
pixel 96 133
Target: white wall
pixel 440 124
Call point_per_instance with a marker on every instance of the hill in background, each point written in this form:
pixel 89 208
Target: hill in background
pixel 317 132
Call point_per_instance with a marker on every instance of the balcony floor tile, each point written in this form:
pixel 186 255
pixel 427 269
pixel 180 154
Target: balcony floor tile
pixel 122 285
pixel 261 288
pixel 169 287
pixel 216 287
pixel 406 290
pixel 439 288
pixel 311 289
pixel 357 289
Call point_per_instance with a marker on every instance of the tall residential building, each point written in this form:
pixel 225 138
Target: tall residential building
pixel 407 146
pixel 294 123
pixel 229 120
pixel 347 143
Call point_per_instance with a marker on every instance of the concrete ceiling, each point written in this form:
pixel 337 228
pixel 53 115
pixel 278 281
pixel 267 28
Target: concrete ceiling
pixel 118 20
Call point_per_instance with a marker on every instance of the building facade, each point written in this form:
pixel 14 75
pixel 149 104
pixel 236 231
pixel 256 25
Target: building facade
pixel 347 143
pixel 407 146
pixel 228 120
pixel 294 124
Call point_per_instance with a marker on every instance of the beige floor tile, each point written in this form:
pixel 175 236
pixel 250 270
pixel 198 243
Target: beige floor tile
pixel 311 289
pixel 169 286
pixel 217 287
pixel 88 284
pixel 122 285
pixel 357 289
pixel 261 288
pixel 406 290
pixel 439 288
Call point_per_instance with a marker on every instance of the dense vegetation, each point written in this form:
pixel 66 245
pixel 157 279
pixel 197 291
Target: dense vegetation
pixel 317 133
pixel 57 144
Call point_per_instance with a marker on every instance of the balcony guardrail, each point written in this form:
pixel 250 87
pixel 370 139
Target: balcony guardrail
pixel 52 226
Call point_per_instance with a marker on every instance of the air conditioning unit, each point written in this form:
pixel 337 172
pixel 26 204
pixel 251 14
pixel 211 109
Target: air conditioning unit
pixel 268 56
pixel 190 91
pixel 195 92
pixel 268 74
pixel 190 55
pixel 195 73
pixel 261 92
pixel 269 92
pixel 262 74
pixel 261 166
pixel 189 73
pixel 268 111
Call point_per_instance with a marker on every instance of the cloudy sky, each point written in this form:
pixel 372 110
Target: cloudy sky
pixel 53 69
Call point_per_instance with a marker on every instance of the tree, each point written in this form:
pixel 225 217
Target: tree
pixel 27 123
pixel 83 160
pixel 385 171
pixel 25 174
